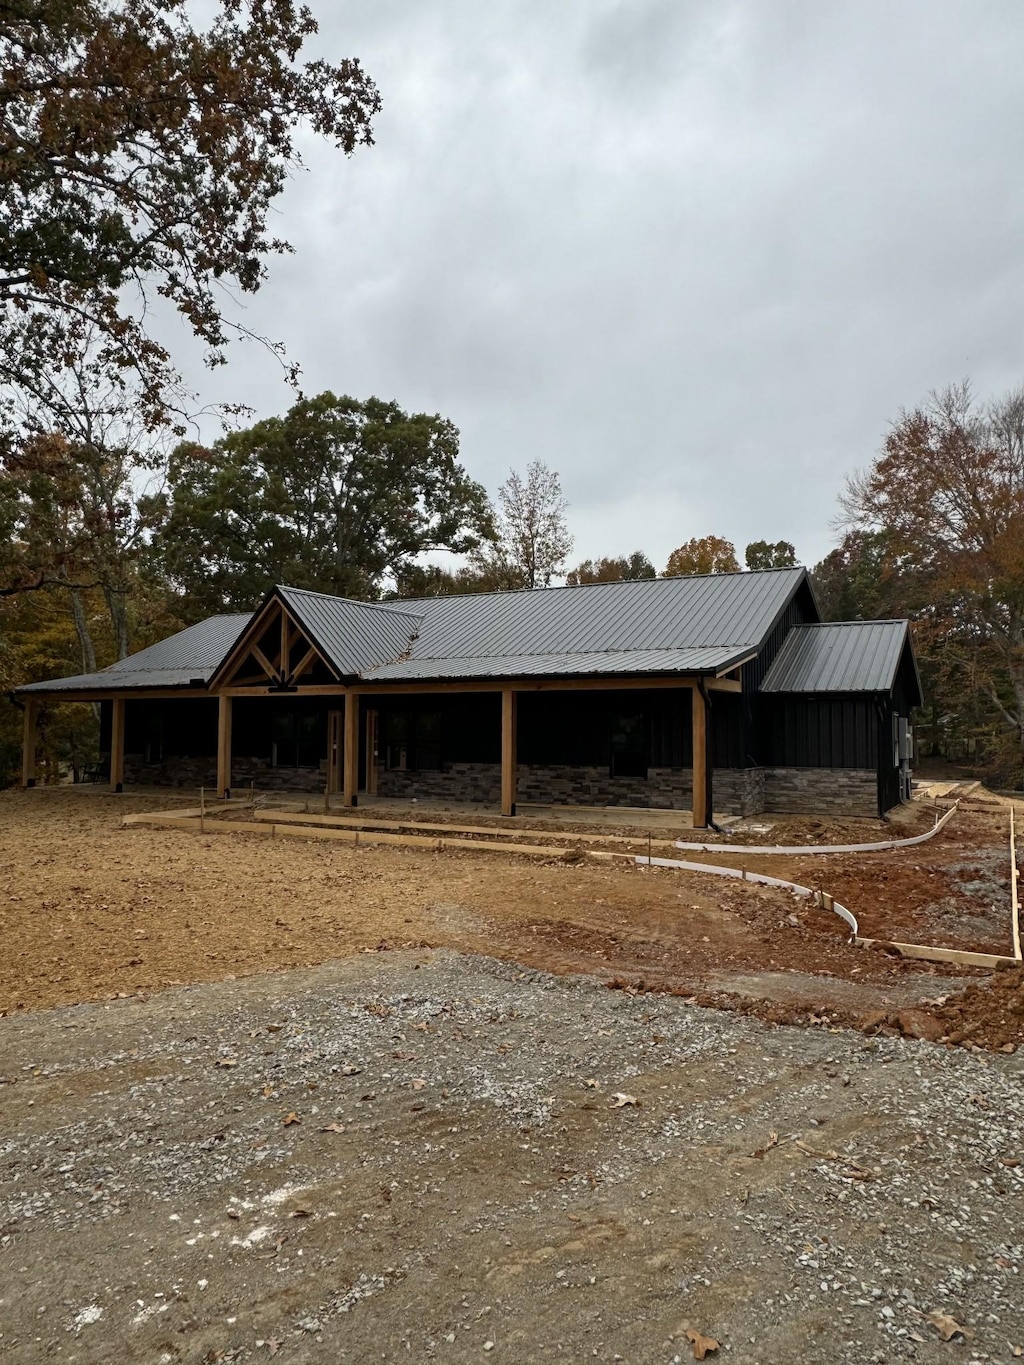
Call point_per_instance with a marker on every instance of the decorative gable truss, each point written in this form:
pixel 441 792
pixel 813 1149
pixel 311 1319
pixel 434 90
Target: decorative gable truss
pixel 274 651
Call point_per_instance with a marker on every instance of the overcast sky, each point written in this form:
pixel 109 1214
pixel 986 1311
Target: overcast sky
pixel 694 254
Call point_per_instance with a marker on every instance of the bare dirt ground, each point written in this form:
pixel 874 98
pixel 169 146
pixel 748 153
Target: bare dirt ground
pixel 420 1156
pixel 89 910
pixel 333 1104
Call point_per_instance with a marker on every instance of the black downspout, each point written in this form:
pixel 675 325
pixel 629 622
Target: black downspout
pixel 880 754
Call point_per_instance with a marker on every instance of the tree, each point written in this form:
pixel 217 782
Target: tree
pixel 533 538
pixel 141 158
pixel 947 491
pixel 338 496
pixel 72 492
pixel 611 570
pixel 762 554
pixel 708 554
pixel 857 581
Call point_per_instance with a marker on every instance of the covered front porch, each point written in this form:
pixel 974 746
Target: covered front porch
pixel 615 743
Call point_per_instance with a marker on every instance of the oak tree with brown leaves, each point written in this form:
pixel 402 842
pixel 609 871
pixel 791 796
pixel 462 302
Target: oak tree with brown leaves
pixel 141 153
pixel 947 493
pixel 703 555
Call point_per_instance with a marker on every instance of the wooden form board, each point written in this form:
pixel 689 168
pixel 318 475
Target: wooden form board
pixel 195 822
pixel 925 953
pixel 424 826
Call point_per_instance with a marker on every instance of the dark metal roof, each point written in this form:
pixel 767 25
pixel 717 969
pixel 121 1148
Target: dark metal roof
pixel 731 611
pixel 353 635
pixel 665 625
pixel 191 655
pixel 604 662
pixel 845 656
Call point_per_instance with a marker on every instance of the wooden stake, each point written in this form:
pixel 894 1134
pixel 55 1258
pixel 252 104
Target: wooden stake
pixel 117 745
pixel 508 752
pixel 28 743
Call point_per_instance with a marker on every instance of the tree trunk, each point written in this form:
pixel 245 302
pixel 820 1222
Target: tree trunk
pixel 117 606
pixel 85 644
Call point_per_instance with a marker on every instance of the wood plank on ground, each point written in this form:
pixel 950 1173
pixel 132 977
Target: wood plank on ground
pixel 356 822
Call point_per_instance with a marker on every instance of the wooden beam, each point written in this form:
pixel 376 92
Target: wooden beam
pixel 310 655
pixel 383 689
pixel 224 748
pixel 264 663
pixel 723 685
pixel 508 752
pixel 350 754
pixel 117 745
pixel 28 742
pixel 286 642
pixel 371 751
pixel 700 757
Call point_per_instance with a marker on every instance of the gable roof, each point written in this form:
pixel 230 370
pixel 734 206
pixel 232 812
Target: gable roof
pixel 698 624
pixel 842 656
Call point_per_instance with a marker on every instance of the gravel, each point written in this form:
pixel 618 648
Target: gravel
pixel 418 1155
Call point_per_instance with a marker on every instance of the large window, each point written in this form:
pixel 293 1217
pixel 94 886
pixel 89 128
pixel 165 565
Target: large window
pixel 297 739
pixel 629 745
pixel 412 739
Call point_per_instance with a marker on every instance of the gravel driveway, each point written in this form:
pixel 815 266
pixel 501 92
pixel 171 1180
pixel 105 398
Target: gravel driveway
pixel 418 1156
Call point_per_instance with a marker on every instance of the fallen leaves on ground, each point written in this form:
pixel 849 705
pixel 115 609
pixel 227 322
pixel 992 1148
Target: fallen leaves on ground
pixel 702 1345
pixel 291 1118
pixel 620 1099
pixel 948 1327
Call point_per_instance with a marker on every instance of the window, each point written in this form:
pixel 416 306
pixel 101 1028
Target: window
pixel 298 739
pixel 629 745
pixel 412 740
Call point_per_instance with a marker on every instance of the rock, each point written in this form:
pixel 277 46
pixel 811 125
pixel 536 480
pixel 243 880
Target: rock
pixel 918 1024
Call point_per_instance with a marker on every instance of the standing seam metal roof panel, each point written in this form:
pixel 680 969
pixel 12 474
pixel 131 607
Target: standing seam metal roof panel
pixel 354 635
pixel 734 610
pixel 844 656
pixel 175 662
pixel 626 662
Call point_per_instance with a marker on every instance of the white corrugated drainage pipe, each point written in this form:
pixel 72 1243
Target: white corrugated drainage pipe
pixel 794 849
pixel 826 901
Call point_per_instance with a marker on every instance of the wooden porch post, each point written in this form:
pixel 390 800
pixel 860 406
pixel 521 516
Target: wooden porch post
pixel 351 753
pixel 117 745
pixel 28 743
pixel 224 746
pixel 700 759
pixel 508 751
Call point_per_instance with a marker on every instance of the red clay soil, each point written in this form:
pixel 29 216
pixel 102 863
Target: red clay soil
pixel 89 910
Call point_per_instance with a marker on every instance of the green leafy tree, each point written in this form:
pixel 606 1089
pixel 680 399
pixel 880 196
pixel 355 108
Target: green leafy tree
pixel 338 496
pixel 611 569
pixel 762 554
pixel 703 555
pixel 142 155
